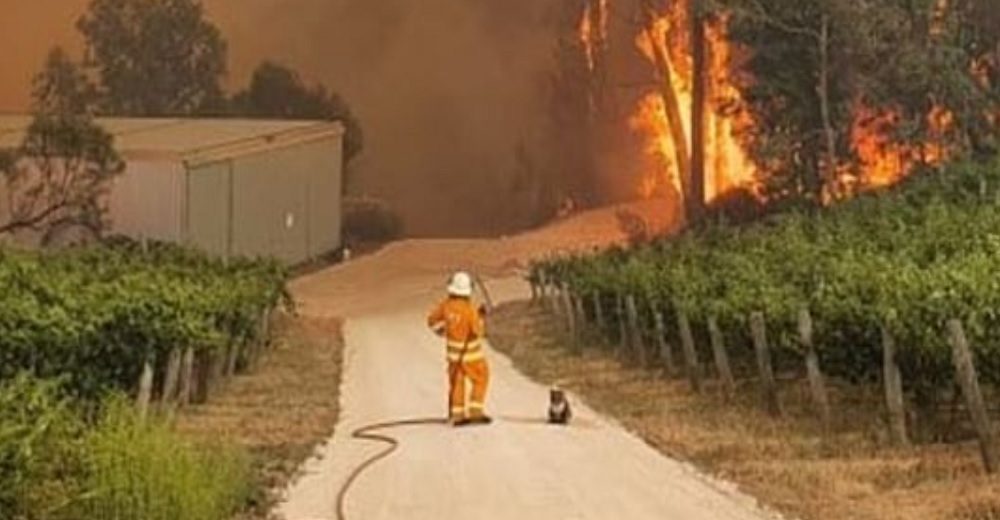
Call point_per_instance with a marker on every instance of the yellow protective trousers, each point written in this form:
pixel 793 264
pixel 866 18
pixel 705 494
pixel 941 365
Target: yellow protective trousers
pixel 478 373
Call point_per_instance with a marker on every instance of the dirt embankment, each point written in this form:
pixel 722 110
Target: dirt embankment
pixel 282 409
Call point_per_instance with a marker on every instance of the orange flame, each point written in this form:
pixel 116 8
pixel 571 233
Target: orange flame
pixel 650 121
pixel 726 163
pixel 885 161
pixel 594 37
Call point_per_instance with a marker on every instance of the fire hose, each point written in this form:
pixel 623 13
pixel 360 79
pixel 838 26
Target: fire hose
pixel 367 432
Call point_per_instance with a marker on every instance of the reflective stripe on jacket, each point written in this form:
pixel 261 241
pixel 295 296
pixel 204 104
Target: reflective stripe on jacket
pixel 462 327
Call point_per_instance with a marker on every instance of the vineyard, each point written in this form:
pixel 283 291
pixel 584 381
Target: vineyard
pixel 88 338
pixel 93 317
pixel 889 269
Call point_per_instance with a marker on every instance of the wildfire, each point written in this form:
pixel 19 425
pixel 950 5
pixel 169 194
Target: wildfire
pixel 593 30
pixel 726 163
pixel 884 160
pixel 650 121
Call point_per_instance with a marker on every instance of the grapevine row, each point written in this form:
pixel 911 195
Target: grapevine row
pixel 903 261
pixel 93 317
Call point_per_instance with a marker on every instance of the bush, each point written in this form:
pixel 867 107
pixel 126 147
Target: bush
pixel 370 220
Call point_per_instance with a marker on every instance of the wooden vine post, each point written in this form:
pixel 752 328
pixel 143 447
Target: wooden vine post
pixel 893 379
pixel 598 312
pixel 168 396
pixel 557 298
pixel 581 319
pixel 721 358
pixel 232 356
pixel 145 392
pixel 966 370
pixel 266 321
pixel 553 298
pixel 758 331
pixel 662 344
pixel 691 367
pixel 571 325
pixel 259 343
pixel 622 328
pixel 543 283
pixel 636 343
pixel 205 366
pixel 187 377
pixel 817 383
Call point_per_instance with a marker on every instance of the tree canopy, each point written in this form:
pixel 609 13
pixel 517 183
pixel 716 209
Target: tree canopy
pixel 279 92
pixel 919 74
pixel 56 180
pixel 155 57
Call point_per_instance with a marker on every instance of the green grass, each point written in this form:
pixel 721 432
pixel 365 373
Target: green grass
pixel 56 465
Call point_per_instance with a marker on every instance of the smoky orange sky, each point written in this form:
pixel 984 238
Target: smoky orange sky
pixel 445 89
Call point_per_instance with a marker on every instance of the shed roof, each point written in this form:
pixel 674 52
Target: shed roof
pixel 193 140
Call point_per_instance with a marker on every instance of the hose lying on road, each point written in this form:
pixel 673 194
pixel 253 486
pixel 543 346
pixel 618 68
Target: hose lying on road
pixel 366 433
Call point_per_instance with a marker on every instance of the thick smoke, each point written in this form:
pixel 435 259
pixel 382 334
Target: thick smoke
pixel 445 89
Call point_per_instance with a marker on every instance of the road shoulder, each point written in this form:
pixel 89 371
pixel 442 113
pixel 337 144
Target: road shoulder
pixel 783 463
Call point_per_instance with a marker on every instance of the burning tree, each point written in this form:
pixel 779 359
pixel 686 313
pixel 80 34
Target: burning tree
pixel 691 119
pixel 576 91
pixel 803 101
pixel 848 93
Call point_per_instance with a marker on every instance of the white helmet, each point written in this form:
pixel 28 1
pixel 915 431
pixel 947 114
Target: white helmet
pixel 460 285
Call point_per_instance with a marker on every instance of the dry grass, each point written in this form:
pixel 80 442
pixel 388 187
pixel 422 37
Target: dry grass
pixel 282 409
pixel 788 463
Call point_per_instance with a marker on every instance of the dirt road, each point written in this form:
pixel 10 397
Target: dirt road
pixel 517 468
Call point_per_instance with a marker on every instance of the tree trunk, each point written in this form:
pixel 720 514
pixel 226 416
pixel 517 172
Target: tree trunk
pixel 829 172
pixel 695 205
pixel 672 106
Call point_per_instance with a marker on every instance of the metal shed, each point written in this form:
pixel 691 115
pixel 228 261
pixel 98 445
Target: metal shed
pixel 227 186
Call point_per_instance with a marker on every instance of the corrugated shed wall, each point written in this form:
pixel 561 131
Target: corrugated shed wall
pixel 230 187
pixel 269 206
pixel 146 200
pixel 208 207
pixel 324 162
pixel 282 202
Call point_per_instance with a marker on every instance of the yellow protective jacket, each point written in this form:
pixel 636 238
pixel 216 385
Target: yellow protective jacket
pixel 462 326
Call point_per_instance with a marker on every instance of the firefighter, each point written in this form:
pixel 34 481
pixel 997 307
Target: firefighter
pixel 462 325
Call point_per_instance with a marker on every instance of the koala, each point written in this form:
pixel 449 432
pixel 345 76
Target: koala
pixel 559 410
